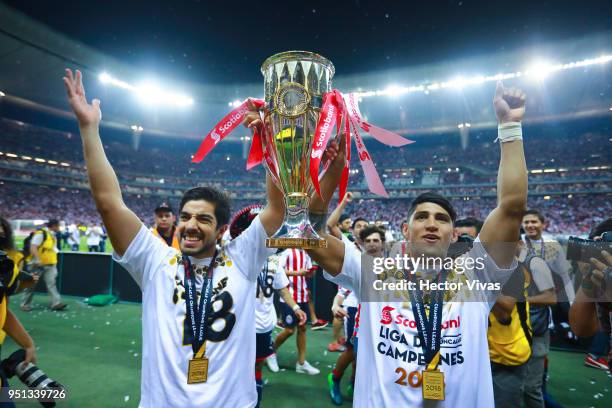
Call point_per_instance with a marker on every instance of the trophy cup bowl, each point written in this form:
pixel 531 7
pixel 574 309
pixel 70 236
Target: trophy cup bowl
pixel 295 82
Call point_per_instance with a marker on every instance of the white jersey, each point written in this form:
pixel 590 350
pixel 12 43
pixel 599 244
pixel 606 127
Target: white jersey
pixel 294 260
pixel 389 374
pixel 166 337
pixel 270 279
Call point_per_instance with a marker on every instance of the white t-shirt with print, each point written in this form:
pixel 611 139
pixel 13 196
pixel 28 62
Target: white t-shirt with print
pixel 274 278
pixel 166 339
pixel 390 358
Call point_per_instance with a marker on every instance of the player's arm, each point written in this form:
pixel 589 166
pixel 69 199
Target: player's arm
pixel 273 215
pixel 501 227
pixel 331 258
pixel 14 328
pixel 334 217
pixel 583 315
pixel 290 272
pixel 121 223
pixel 286 296
pixel 337 309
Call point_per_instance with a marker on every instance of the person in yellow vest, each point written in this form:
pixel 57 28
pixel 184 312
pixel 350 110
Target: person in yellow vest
pixel 9 271
pixel 42 261
pixel 165 227
pixel 509 337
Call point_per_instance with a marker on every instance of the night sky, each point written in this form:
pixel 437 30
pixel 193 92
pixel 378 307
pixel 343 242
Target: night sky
pixel 223 41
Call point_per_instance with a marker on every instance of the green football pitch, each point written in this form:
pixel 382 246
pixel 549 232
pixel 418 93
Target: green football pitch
pixel 82 244
pixel 96 353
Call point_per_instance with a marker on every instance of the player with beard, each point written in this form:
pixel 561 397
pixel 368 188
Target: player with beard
pixel 408 356
pixel 198 308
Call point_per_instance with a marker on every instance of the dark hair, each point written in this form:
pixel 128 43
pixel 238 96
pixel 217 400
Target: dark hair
pixel 213 196
pixel 537 214
pixel 372 229
pixel 356 220
pixel 343 217
pixel 6 242
pixel 600 228
pixel 469 222
pixel 436 199
pixel 52 223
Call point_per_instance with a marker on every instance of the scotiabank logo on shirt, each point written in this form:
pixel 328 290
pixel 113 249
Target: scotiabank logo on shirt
pixel 387 318
pixel 386 315
pixel 398 340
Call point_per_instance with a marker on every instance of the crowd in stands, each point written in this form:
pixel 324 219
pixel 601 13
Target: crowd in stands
pixel 561 174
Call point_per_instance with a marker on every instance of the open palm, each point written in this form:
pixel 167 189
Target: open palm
pixel 87 114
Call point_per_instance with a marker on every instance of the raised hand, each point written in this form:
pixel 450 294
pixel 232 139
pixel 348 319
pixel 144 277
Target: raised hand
pixel 509 104
pixel 88 115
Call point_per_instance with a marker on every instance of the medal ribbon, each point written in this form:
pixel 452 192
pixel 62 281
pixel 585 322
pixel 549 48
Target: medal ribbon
pixel 429 327
pixel 197 315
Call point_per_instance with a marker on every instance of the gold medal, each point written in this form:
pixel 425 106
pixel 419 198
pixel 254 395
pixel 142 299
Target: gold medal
pixel 198 370
pixel 433 385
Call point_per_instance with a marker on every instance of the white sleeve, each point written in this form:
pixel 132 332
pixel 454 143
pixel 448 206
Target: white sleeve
pixel 143 256
pixel 280 279
pixel 37 239
pixel 248 251
pixel 490 272
pixel 350 275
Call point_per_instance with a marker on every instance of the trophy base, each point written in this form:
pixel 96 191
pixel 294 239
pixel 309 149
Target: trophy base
pixel 303 243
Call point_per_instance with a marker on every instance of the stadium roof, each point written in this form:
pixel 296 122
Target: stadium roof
pixel 32 58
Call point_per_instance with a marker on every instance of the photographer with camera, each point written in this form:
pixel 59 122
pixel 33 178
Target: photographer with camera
pixel 590 311
pixel 10 283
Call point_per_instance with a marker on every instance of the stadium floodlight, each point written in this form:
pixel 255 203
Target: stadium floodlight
pixel 394 90
pixel 149 93
pixel 64 164
pixel 26 158
pixel 460 126
pixel 11 155
pixel 538 70
pixel 2 94
pixel 51 162
pixel 39 160
pixel 468 125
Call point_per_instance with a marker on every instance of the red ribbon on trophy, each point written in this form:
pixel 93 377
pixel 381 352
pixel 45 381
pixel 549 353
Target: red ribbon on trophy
pixel 226 126
pixel 339 111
